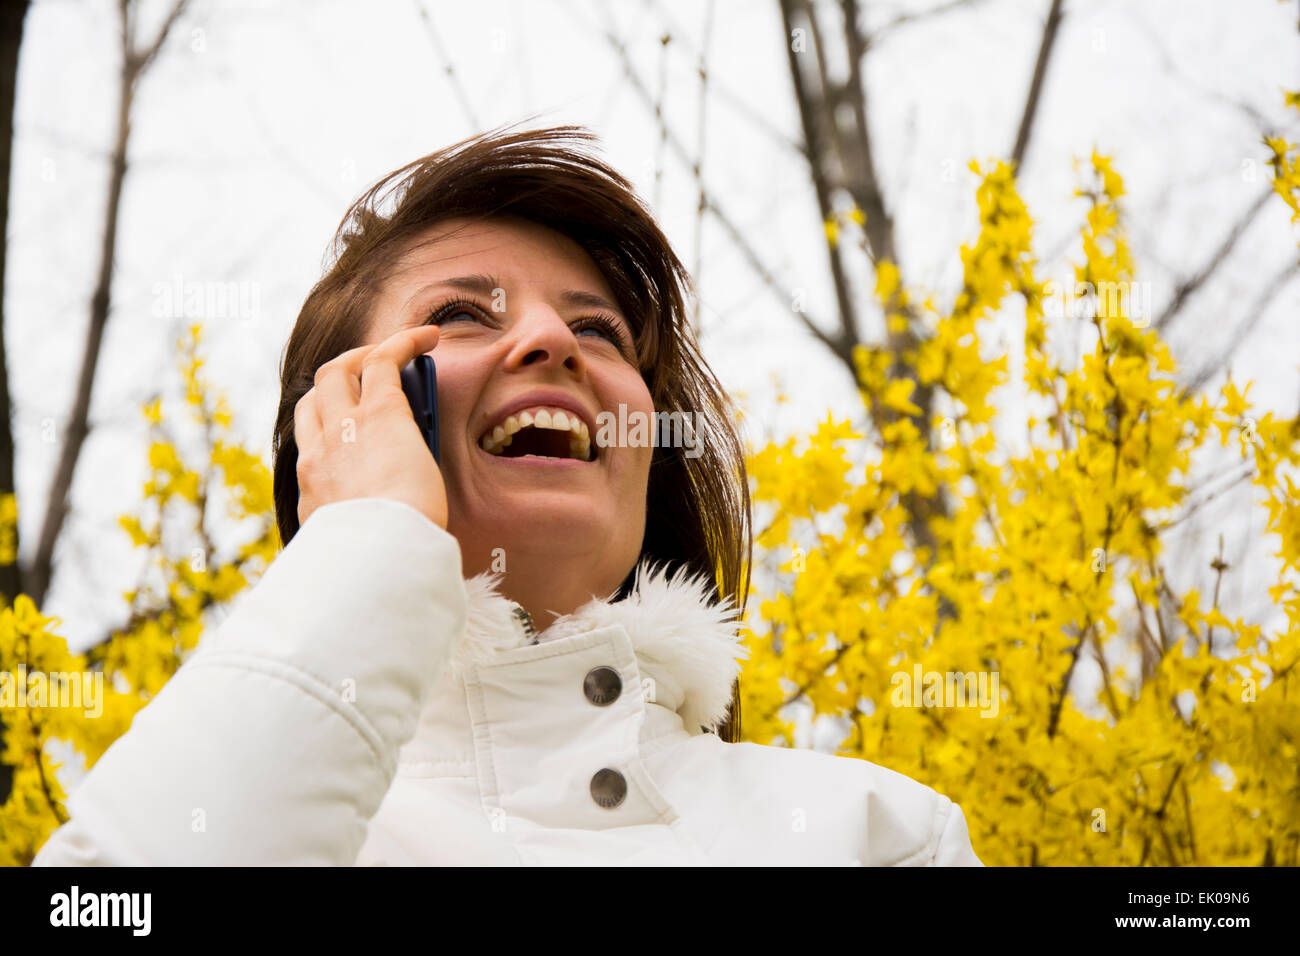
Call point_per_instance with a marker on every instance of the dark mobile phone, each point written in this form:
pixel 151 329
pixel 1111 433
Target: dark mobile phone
pixel 420 383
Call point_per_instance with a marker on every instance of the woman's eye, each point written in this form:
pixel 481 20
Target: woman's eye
pixel 453 314
pixel 603 333
pixel 601 327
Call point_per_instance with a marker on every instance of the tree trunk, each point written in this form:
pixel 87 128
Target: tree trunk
pixel 12 16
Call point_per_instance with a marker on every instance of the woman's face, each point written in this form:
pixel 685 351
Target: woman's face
pixel 528 326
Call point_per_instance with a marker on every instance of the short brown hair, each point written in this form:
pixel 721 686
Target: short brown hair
pixel 698 509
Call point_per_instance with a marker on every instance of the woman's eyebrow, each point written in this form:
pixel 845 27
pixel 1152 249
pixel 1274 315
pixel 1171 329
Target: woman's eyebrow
pixel 479 282
pixel 484 285
pixel 576 297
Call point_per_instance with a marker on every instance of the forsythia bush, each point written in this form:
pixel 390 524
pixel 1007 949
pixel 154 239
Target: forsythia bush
pixel 165 612
pixel 1125 721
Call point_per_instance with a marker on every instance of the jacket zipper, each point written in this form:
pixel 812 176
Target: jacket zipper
pixel 526 622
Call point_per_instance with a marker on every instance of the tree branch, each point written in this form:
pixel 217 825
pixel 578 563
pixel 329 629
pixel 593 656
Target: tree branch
pixel 144 58
pixel 1189 286
pixel 37 578
pixel 1050 29
pixel 718 88
pixel 697 170
pixel 448 67
pixel 1242 331
pixel 814 149
pixel 841 349
pixel 12 17
pixel 863 182
pixel 910 19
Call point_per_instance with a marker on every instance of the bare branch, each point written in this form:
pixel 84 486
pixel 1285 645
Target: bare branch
pixel 717 86
pixel 143 58
pixel 809 113
pixel 860 163
pixel 126 28
pixel 1191 509
pixel 1050 29
pixel 1189 286
pixel 697 171
pixel 911 19
pixel 841 154
pixel 840 349
pixel 1192 80
pixel 37 578
pixel 447 66
pixel 12 18
pixel 661 95
pixel 1254 312
pixel 1219 566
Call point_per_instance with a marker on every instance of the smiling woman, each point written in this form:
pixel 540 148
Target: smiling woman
pixel 527 651
pixel 503 241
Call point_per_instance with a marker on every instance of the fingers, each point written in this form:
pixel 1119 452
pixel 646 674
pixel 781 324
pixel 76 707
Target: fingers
pixel 306 422
pixel 338 386
pixel 340 382
pixel 381 367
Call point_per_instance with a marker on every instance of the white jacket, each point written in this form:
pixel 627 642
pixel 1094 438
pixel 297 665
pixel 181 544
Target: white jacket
pixel 362 704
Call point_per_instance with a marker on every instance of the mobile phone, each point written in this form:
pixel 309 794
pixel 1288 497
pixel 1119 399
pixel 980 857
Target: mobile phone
pixel 420 383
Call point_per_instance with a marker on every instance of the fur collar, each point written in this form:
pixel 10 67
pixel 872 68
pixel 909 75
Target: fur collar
pixel 689 645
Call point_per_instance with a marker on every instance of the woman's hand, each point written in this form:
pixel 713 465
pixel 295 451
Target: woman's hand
pixel 356 436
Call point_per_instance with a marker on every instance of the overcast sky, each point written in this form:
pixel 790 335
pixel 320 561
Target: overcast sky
pixel 260 122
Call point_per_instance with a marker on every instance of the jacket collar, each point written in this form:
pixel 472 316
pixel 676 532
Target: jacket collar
pixel 688 644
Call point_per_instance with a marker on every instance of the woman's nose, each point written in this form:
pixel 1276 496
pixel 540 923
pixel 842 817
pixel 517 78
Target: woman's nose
pixel 544 338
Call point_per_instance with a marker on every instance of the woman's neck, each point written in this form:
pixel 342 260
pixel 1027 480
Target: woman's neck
pixel 546 585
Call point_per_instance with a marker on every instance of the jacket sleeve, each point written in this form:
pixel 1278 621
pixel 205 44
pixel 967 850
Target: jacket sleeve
pixel 954 846
pixel 275 743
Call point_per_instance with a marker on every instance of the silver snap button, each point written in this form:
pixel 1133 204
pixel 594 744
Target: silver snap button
pixel 608 788
pixel 602 686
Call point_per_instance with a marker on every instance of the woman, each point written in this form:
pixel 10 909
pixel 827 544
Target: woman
pixel 520 655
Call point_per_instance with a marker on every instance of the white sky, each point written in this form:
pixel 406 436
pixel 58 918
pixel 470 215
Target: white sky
pixel 261 121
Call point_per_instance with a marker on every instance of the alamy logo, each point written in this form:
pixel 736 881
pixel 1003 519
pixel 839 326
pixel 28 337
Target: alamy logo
pixel 102 909
pixel 637 429
pixel 76 689
pixel 206 300
pixel 924 688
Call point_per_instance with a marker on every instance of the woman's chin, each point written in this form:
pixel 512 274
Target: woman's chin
pixel 565 521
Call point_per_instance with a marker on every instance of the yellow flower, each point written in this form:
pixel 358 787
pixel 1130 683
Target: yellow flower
pixel 931 544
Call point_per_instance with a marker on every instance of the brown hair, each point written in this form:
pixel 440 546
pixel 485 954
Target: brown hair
pixel 697 508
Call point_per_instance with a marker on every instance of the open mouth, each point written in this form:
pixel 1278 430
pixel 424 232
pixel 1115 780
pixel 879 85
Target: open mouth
pixel 540 432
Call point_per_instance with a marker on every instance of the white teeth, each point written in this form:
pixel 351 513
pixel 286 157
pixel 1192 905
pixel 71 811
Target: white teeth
pixel 553 419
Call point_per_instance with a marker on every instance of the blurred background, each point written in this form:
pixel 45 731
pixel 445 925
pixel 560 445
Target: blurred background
pixel 787 148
